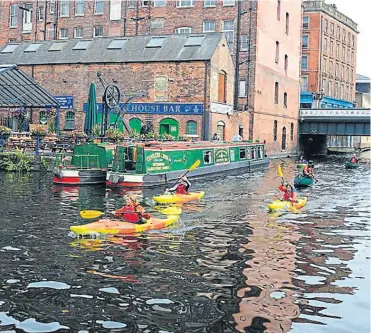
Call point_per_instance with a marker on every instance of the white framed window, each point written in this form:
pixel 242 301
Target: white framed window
pixel 65 8
pixel 244 43
pixel 209 26
pixel 51 6
pixel 183 30
pixel 304 83
pixel 324 85
pixel 228 29
pixel 13 21
pixel 145 3
pixel 98 31
pixel 27 17
pixel 131 4
pixel 40 13
pixel 228 2
pixel 209 3
pixel 63 33
pixel 185 3
pixel 159 3
pixel 306 22
pixel 305 42
pixel 98 7
pixel 79 32
pixel 324 64
pixel 330 88
pixel 242 89
pixel 79 7
pixel 304 62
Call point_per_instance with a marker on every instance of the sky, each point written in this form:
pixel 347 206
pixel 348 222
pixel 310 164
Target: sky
pixel 360 12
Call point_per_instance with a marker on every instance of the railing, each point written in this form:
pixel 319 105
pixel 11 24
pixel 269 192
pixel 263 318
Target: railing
pixel 335 113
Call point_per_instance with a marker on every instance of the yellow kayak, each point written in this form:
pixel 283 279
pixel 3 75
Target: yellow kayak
pixel 281 205
pixel 119 227
pixel 178 198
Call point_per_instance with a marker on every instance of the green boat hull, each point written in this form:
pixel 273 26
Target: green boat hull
pixel 350 165
pixel 303 181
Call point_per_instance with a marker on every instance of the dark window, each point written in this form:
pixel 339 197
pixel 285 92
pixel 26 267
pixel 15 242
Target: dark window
pixel 277 56
pixel 305 22
pixel 242 153
pixel 70 121
pixel 275 126
pixel 292 132
pixel 283 138
pixel 191 127
pixel 278 10
pixel 42 118
pixel 208 157
pixel 276 92
pixel 285 99
pixel 286 63
pixel 253 155
pixel 287 23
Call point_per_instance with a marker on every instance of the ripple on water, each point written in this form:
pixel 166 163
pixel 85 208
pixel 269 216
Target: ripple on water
pixel 49 284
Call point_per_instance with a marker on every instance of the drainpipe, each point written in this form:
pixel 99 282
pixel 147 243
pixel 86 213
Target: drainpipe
pixel 45 18
pixel 251 118
pixel 205 115
pixel 137 19
pixel 56 10
pixel 36 18
pixel 320 62
pixel 238 49
pixel 125 16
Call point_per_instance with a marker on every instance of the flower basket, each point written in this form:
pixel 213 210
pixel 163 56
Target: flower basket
pixel 38 130
pixel 114 135
pixel 5 131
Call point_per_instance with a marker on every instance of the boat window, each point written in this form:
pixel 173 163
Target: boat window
pixel 231 153
pixel 248 153
pixel 260 152
pixel 242 153
pixel 208 157
pixel 253 156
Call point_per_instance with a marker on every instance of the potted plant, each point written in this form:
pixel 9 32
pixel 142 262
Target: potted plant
pixel 38 130
pixel 5 131
pixel 114 135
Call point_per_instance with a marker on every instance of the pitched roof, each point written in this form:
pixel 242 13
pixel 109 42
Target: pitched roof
pixel 18 89
pixel 179 47
pixel 362 78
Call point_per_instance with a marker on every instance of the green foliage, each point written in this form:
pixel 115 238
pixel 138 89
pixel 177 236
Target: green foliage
pixel 17 161
pixel 115 134
pixel 38 130
pixel 96 130
pixel 5 130
pixel 51 126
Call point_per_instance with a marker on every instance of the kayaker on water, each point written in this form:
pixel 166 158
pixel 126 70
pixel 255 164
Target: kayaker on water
pixel 181 188
pixel 302 160
pixel 289 192
pixel 133 212
pixel 353 159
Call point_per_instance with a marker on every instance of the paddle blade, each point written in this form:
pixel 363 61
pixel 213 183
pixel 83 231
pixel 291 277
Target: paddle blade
pixel 280 171
pixel 90 214
pixel 195 165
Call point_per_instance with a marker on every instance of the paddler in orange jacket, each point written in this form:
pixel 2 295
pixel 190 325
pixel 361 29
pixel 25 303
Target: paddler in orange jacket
pixel 133 211
pixel 289 192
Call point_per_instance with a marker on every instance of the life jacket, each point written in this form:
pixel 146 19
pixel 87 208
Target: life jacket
pixel 128 213
pixel 181 189
pixel 353 160
pixel 286 195
pixel 306 170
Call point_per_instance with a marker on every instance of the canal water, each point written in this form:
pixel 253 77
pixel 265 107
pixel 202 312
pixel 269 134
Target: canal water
pixel 227 266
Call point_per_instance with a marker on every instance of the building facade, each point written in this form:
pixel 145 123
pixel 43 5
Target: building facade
pixel 263 36
pixel 182 78
pixel 329 53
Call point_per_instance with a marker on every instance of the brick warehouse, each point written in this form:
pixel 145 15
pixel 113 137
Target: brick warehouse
pixel 188 80
pixel 267 82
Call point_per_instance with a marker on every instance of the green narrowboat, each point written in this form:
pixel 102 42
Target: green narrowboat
pixel 155 163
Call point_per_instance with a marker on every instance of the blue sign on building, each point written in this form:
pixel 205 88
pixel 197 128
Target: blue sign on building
pixel 158 108
pixel 65 102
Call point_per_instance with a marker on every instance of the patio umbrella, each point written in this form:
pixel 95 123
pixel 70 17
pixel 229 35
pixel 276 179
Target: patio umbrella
pixel 91 112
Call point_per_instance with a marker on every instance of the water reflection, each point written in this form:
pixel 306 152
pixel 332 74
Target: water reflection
pixel 227 266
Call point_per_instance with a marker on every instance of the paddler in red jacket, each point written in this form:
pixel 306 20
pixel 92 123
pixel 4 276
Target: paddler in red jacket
pixel 289 192
pixel 181 188
pixel 133 211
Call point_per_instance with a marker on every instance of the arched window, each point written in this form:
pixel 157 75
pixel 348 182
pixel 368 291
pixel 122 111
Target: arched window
pixel 222 87
pixel 191 127
pixel 285 99
pixel 277 57
pixel 70 121
pixel 275 125
pixel 135 125
pixel 286 63
pixel 42 118
pixel 292 132
pixel 276 92
pixel 169 126
pixel 283 138
pixel 220 130
pixel 287 23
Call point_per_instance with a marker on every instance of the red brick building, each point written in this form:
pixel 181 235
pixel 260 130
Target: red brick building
pixel 188 80
pixel 266 33
pixel 329 44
